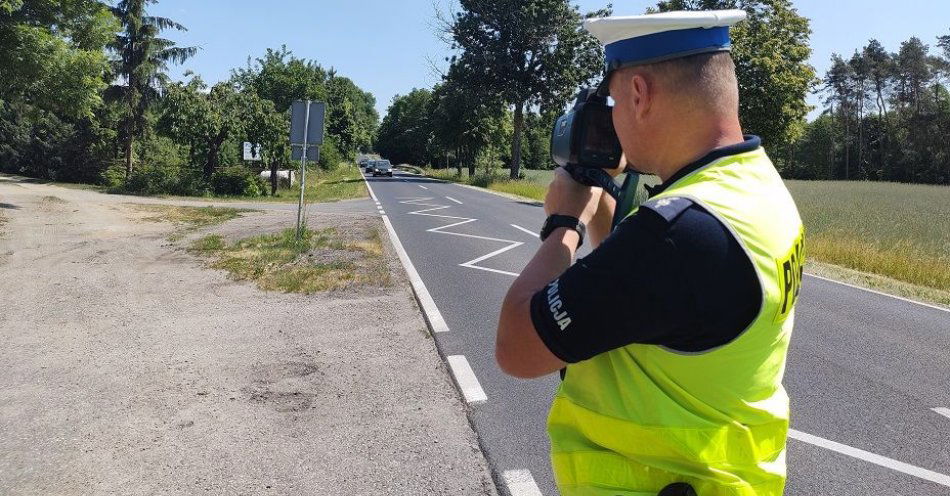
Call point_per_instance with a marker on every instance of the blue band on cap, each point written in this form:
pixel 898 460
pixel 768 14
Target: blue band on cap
pixel 666 45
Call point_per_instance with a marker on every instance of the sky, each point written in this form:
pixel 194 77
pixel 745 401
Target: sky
pixel 389 47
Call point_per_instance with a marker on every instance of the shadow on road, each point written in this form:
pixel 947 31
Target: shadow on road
pixel 405 178
pixel 9 206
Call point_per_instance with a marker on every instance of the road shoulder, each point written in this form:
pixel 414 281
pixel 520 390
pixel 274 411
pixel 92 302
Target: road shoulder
pixel 148 372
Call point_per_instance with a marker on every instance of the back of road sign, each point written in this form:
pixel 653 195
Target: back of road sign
pixel 299 123
pixel 313 153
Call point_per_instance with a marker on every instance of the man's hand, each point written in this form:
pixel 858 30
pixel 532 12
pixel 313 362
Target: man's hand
pixel 569 197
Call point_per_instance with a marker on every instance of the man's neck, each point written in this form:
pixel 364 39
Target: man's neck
pixel 684 148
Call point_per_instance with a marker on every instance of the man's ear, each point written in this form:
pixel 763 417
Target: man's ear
pixel 641 93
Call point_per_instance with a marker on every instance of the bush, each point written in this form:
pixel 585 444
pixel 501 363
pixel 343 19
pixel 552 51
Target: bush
pixel 152 180
pixel 155 180
pixel 330 156
pixel 237 181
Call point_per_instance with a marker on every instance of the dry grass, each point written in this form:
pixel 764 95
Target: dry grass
pixel 324 260
pixel 187 219
pixel 899 231
pixel 191 217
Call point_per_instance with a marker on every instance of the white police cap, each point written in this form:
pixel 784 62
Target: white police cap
pixel 651 38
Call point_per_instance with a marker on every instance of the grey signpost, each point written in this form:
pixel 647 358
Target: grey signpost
pixel 306 136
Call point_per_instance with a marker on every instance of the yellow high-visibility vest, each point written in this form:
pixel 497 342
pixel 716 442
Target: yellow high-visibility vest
pixel 636 419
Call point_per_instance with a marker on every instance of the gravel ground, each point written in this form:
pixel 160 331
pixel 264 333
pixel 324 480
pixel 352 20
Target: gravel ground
pixel 131 368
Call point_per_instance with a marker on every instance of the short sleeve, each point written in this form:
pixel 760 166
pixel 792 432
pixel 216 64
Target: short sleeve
pixel 681 281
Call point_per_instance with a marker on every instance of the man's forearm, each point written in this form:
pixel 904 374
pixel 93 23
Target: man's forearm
pixel 601 224
pixel 553 258
pixel 519 349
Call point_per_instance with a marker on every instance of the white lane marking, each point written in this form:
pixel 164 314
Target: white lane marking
pixel 471 263
pixel 462 220
pixel 453 199
pixel 465 377
pixel 423 187
pixel 915 302
pixel 532 233
pixel 883 461
pixel 520 483
pixel 942 411
pixel 429 309
pixel 382 212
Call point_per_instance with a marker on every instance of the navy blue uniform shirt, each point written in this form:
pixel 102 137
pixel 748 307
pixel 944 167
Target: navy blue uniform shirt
pixel 672 275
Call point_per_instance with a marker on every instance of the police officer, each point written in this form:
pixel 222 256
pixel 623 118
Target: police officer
pixel 672 334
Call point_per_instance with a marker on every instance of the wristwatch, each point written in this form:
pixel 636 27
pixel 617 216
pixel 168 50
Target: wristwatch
pixel 555 221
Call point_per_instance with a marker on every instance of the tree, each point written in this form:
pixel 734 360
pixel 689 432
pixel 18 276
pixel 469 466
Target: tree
pixel 142 59
pixel 528 52
pixel 281 77
pixel 464 118
pixel 914 73
pixel 351 115
pixel 771 50
pixel 406 132
pixel 51 54
pixel 839 82
pixel 268 128
pixel 205 121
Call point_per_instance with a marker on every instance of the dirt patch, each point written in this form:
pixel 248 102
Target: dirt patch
pixel 53 199
pixel 131 368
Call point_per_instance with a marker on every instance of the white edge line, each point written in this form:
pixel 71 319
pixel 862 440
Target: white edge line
pixel 371 193
pixel 453 199
pixel 883 461
pixel 942 411
pixel 908 300
pixel 520 483
pixel 532 233
pixel 429 309
pixel 465 377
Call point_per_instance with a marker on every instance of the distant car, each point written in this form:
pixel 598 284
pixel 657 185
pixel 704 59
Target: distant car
pixel 382 168
pixel 370 166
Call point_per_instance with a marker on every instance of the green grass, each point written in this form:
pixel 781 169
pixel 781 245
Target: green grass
pixel 530 187
pixel 343 183
pixel 321 261
pixel 534 185
pixel 900 231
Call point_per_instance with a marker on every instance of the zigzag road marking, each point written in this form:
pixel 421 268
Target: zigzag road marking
pixel 471 264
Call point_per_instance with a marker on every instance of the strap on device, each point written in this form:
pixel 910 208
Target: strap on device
pixel 594 177
pixel 625 195
pixel 628 195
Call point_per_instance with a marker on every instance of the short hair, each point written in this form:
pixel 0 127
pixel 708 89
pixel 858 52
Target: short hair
pixel 706 80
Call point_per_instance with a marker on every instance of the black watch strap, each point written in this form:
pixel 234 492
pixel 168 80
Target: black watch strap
pixel 556 221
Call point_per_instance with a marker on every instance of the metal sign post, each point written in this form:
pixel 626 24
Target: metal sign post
pixel 306 136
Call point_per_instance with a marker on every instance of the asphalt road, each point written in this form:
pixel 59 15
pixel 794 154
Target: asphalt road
pixel 868 374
